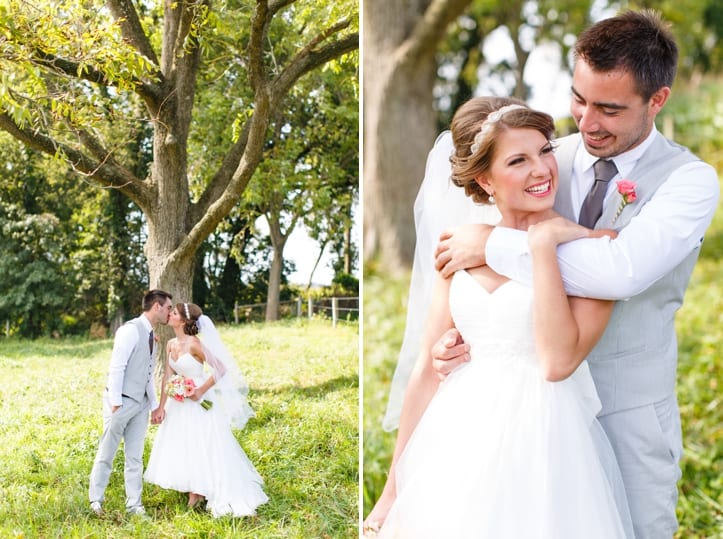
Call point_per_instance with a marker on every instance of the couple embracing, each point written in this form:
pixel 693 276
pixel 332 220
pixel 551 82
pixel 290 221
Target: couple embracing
pixel 557 416
pixel 194 450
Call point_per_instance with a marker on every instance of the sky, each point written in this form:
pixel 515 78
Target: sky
pixel 549 82
pixel 303 251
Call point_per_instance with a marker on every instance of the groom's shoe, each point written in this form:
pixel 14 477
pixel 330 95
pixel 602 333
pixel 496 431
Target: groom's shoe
pixel 137 510
pixel 96 508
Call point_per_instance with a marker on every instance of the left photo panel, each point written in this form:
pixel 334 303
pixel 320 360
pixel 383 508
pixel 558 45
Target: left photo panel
pixel 180 218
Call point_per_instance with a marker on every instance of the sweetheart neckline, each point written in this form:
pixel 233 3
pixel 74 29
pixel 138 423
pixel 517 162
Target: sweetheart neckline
pixel 480 285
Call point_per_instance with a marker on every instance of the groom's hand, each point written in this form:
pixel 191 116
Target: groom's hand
pixel 460 248
pixel 158 415
pixel 448 353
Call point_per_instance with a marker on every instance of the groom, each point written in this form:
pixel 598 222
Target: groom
pixel 617 93
pixel 128 397
pixel 624 68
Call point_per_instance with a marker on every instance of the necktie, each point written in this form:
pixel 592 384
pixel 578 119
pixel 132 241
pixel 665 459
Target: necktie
pixel 592 206
pixel 150 342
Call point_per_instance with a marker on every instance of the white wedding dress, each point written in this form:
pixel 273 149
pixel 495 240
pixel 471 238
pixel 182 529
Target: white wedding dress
pixel 500 453
pixel 195 451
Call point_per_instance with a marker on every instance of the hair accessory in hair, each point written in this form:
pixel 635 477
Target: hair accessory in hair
pixel 488 124
pixel 185 308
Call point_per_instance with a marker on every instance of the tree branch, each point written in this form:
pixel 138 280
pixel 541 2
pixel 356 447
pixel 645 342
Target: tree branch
pixel 187 61
pixel 216 209
pixel 274 7
pixel 99 151
pixel 132 30
pixel 104 171
pixel 259 22
pixel 223 175
pixel 429 30
pixel 309 59
pixel 73 70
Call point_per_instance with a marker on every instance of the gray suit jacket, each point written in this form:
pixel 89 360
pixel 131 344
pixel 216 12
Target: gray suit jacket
pixel 635 361
pixel 139 368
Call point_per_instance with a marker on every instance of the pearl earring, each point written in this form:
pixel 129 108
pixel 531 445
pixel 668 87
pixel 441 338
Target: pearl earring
pixel 491 198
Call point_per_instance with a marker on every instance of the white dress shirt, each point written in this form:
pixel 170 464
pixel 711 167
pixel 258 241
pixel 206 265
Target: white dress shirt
pixel 667 228
pixel 126 339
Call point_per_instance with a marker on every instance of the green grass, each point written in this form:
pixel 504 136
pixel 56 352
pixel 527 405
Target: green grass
pixel 303 440
pixel 700 386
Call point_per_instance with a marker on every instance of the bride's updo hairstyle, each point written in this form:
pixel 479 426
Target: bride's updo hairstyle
pixel 190 312
pixel 476 126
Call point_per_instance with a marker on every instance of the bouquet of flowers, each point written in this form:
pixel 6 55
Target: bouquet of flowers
pixel 179 388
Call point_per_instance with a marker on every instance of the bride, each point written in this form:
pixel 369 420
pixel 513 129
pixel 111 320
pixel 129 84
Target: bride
pixel 194 450
pixel 508 446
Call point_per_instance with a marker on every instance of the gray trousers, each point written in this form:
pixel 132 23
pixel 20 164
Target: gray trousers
pixel 130 423
pixel 648 446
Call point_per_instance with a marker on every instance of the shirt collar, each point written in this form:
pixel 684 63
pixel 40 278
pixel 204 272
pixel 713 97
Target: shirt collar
pixel 623 162
pixel 146 323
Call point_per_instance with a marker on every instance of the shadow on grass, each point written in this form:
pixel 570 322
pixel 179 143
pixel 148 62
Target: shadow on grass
pixel 315 391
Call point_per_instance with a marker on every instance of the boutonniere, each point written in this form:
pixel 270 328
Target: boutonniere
pixel 626 188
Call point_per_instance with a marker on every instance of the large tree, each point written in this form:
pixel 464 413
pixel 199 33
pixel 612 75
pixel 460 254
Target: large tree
pixel 71 70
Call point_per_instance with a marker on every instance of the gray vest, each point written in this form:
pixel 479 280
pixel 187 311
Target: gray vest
pixel 635 361
pixel 139 368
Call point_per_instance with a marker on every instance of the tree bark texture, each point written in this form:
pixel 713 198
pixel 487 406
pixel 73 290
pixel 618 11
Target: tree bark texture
pixel 400 39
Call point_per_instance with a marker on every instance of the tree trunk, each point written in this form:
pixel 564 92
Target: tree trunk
pixel 272 297
pixel 278 242
pixel 347 251
pixel 396 105
pixel 400 40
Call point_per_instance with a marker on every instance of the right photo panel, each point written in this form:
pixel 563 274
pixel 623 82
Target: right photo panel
pixel 543 253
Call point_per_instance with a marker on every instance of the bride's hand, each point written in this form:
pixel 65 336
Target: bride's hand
pixel 375 519
pixel 555 231
pixel 370 529
pixel 600 232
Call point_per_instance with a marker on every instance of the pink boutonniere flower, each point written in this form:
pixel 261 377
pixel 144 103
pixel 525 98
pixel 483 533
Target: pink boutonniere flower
pixel 626 188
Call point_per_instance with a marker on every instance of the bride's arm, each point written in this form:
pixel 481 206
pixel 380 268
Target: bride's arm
pixel 158 414
pixel 197 352
pixel 422 386
pixel 566 328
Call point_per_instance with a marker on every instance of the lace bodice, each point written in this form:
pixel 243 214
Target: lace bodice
pixel 497 324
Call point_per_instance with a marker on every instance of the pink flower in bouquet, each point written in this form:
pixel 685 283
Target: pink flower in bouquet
pixel 175 388
pixel 189 387
pixel 626 189
pixel 179 388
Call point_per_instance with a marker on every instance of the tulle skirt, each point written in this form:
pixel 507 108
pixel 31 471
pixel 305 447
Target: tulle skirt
pixel 195 451
pixel 503 454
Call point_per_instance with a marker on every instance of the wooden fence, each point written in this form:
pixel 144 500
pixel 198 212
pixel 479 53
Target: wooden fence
pixel 336 309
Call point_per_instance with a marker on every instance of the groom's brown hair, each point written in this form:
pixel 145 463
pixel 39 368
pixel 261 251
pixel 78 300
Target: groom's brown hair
pixel 155 296
pixel 636 42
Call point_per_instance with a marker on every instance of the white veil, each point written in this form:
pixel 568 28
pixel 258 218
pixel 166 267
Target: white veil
pixel 231 386
pixel 439 205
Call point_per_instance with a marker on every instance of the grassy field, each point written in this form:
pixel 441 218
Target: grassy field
pixel 700 386
pixel 303 441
